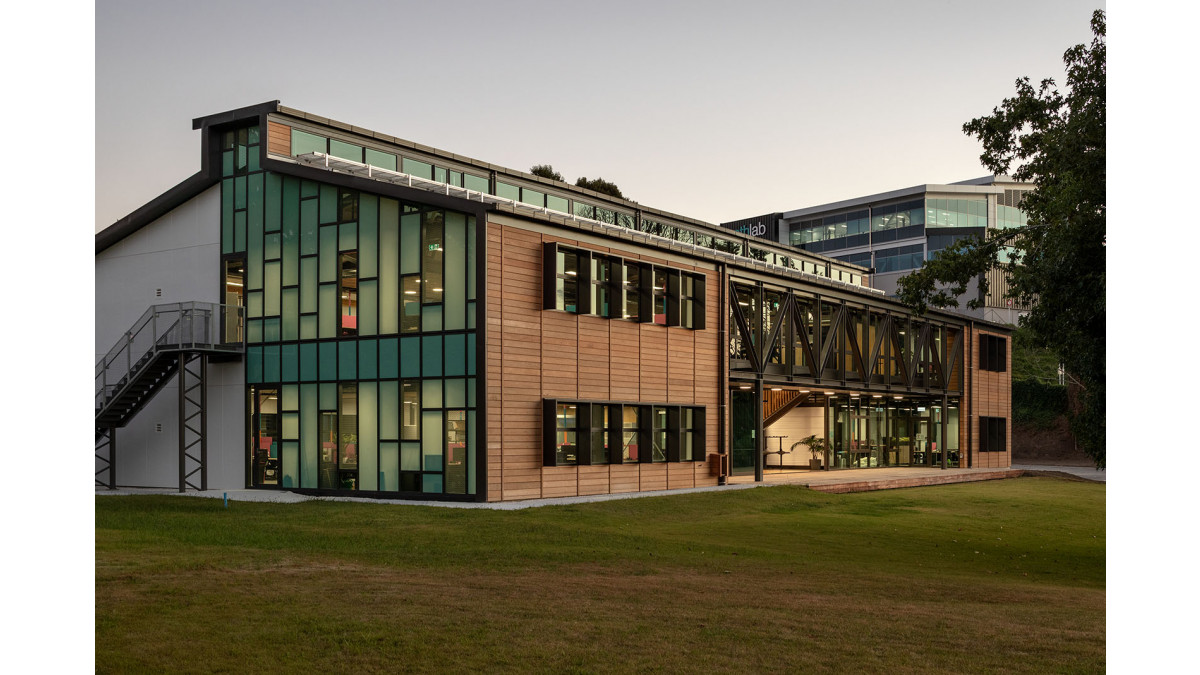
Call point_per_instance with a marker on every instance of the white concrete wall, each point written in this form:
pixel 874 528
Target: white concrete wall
pixel 180 254
pixel 798 423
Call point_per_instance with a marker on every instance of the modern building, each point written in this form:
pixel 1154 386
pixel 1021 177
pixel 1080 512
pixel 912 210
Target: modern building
pixel 893 233
pixel 329 309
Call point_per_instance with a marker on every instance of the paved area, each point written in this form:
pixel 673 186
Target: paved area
pixel 831 481
pixel 1086 472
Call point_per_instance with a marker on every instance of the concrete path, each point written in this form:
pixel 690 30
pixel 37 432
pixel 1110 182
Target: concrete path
pixel 852 479
pixel 1086 472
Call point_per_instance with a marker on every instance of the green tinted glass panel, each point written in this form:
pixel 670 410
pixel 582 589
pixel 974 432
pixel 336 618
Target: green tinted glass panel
pixel 431 484
pixel 271 330
pixel 410 456
pixel 410 244
pixel 470 392
pixel 308 285
pixel 456 393
pixel 508 191
pixel 367 301
pixel 368 236
pixel 271 363
pixel 328 317
pixel 239 231
pixel 328 391
pixel 290 311
pixel 389 265
pixel 254 331
pixel 431 356
pixel 290 353
pixel 471 355
pixel 227 216
pixel 368 441
pixel 410 357
pixel 389 409
pixel 271 246
pixel 477 183
pixel 254 214
pixel 345 150
pixel 471 452
pixel 254 304
pixel 557 203
pixel 389 465
pixel 347 361
pixel 290 270
pixel 366 360
pixel 328 362
pixel 389 358
pixel 308 326
pixel 456 355
pixel 239 192
pixel 431 440
pixel 417 168
pixel 329 204
pixel 271 289
pixel 431 393
pixel 304 143
pixel 308 227
pixel 456 178
pixel 308 361
pixel 254 365
pixel 291 204
pixel 455 281
pixel 439 174
pixel 328 269
pixel 431 318
pixel 533 197
pixel 308 434
pixel 227 163
pixel 347 236
pixel 273 202
pixel 383 160
pixel 471 262
pixel 309 189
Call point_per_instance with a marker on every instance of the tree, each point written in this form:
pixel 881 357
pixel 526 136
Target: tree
pixel 600 185
pixel 1057 263
pixel 546 171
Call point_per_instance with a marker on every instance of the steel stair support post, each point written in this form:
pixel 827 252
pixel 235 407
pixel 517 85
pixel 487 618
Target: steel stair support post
pixel 182 370
pixel 192 406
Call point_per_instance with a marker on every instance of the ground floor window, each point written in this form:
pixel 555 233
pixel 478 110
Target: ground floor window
pixel 586 432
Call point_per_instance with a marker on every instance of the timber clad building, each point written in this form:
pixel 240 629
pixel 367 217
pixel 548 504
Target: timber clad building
pixel 327 309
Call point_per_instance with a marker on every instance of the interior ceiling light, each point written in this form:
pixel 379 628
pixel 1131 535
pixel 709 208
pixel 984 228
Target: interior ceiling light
pixel 776 388
pixel 828 393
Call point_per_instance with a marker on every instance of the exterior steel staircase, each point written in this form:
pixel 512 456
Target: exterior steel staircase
pixel 171 339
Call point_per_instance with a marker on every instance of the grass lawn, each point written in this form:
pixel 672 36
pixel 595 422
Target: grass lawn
pixel 1003 575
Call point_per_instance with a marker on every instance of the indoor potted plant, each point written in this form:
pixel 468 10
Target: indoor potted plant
pixel 817 446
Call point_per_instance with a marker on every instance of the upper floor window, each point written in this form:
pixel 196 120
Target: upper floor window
pixel 583 282
pixel 992 353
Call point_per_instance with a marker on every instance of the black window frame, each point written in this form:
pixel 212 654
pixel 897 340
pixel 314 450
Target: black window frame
pixel 589 420
pixel 993 434
pixel 993 353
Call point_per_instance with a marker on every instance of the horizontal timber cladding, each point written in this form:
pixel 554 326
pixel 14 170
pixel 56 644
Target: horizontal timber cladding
pixel 990 396
pixel 279 138
pixel 535 354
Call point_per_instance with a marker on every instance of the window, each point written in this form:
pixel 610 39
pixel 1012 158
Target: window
pixel 582 432
pixel 348 290
pixel 992 353
pixel 620 289
pixel 992 434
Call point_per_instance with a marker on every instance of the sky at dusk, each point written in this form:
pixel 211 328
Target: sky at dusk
pixel 711 110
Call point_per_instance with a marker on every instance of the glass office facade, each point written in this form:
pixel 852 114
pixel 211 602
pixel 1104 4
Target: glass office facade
pixel 361 324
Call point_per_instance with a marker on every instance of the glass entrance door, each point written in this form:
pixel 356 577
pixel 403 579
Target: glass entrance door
pixel 743 445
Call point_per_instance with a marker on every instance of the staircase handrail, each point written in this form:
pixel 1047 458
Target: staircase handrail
pixel 166 327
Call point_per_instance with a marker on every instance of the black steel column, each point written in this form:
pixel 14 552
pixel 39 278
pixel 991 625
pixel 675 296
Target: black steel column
pixel 945 423
pixel 204 421
pixel 759 441
pixel 181 420
pixel 112 458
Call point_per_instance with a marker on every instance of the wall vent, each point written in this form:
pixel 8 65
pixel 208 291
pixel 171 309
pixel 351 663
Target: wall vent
pixel 158 292
pixel 158 427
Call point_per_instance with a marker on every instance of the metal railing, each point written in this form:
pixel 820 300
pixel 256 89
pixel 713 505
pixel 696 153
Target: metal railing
pixel 175 326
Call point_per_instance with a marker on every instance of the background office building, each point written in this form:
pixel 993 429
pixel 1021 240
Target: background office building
pixel 895 232
pixel 333 310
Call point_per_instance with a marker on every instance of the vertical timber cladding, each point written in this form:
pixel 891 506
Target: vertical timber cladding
pixel 535 354
pixel 991 396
